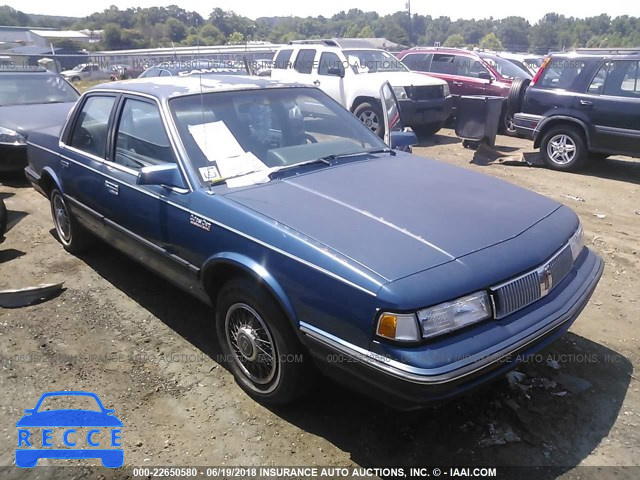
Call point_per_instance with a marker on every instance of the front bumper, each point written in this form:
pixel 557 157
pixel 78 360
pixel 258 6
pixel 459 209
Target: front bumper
pixel 406 386
pixel 13 157
pixel 527 124
pixel 426 112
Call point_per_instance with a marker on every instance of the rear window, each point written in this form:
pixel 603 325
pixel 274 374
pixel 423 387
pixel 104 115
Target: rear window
pixel 282 58
pixel 561 73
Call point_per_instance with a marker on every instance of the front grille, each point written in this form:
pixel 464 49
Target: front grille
pixel 526 289
pixel 430 92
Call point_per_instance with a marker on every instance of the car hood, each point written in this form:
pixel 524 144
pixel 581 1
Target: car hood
pixel 403 79
pixel 26 118
pixel 400 215
pixel 69 418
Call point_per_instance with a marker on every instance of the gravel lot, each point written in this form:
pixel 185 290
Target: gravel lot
pixel 149 351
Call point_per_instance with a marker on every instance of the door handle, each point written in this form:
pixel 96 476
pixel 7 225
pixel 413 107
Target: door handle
pixel 316 83
pixel 586 103
pixel 112 188
pixel 458 84
pixel 64 163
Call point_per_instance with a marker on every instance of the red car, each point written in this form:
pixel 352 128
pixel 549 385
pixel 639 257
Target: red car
pixel 465 71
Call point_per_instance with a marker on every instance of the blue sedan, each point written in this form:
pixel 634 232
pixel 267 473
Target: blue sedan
pixel 317 246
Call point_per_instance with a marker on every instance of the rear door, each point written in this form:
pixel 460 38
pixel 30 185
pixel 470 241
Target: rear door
pixel 612 105
pixel 84 148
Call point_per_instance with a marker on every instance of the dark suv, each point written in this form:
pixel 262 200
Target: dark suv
pixel 581 106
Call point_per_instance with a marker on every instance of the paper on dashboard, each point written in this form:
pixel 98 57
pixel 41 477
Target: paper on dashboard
pixel 220 146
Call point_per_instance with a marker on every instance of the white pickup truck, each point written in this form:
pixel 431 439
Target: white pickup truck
pixel 353 76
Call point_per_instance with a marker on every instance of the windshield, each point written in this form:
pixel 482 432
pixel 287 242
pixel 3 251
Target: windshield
pixel 371 61
pixel 69 402
pixel 506 68
pixel 78 68
pixel 230 134
pixel 21 89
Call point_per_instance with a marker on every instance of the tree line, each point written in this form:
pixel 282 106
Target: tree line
pixel 167 26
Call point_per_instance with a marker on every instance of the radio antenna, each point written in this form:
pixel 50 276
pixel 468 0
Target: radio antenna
pixel 206 152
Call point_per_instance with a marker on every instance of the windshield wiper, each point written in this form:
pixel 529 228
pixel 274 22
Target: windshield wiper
pixel 326 160
pixel 221 180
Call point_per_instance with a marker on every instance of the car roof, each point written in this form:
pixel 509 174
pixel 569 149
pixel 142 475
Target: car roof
pixel 38 70
pixel 457 51
pixel 168 87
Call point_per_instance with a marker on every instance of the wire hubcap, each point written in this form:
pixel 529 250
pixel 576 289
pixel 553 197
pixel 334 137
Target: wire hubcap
pixel 251 343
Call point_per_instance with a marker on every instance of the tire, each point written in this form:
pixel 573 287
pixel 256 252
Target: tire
pixel 3 218
pixel 508 126
pixel 371 115
pixel 248 316
pixel 75 79
pixel 516 95
pixel 427 129
pixel 563 147
pixel 73 236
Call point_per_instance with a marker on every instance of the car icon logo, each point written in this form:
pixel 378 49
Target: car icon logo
pixel 69 433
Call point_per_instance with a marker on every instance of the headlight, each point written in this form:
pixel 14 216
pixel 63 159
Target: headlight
pixel 402 327
pixel 400 92
pixel 446 90
pixel 576 242
pixel 11 137
pixel 453 315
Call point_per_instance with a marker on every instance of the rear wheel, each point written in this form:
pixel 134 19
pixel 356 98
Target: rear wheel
pixel 370 114
pixel 259 345
pixel 73 236
pixel 3 218
pixel 508 126
pixel 563 148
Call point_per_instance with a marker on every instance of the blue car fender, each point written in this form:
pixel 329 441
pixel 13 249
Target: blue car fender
pixel 254 269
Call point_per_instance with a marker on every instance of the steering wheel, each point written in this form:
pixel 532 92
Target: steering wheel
pixel 310 138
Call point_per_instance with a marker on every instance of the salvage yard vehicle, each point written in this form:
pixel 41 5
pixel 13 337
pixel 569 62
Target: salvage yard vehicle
pixel 466 72
pixel 87 71
pixel 316 245
pixel 352 77
pixel 29 99
pixel 581 106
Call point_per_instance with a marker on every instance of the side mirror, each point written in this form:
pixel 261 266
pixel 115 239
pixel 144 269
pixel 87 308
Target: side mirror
pixel 29 410
pixel 485 76
pixel 167 175
pixel 403 140
pixel 336 72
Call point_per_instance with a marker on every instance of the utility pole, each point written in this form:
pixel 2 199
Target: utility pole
pixel 410 23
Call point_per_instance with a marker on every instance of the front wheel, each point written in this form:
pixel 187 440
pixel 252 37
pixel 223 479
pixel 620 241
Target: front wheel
pixel 73 236
pixel 259 345
pixel 508 126
pixel 427 129
pixel 564 148
pixel 371 115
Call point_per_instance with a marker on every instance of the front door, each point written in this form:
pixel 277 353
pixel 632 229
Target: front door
pixel 611 105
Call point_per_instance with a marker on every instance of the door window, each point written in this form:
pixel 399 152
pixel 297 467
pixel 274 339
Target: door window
pixel 418 62
pixel 623 79
pixel 330 64
pixel 443 64
pixel 141 139
pixel 304 60
pixel 597 84
pixel 90 131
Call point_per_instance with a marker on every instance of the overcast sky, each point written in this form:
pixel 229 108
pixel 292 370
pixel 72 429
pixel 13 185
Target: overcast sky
pixel 533 10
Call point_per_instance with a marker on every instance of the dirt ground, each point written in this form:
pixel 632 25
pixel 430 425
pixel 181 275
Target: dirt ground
pixel 149 351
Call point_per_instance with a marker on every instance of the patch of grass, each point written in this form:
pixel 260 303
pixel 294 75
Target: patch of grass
pixel 84 85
